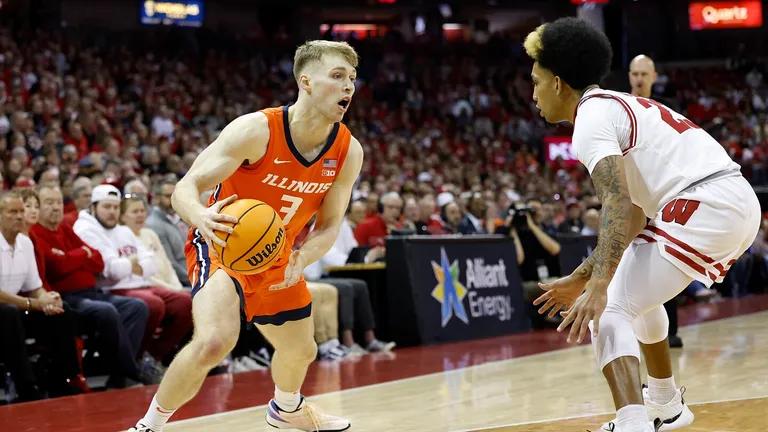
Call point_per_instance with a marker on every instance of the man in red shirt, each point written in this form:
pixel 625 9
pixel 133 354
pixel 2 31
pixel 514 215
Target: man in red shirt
pixel 372 231
pixel 71 268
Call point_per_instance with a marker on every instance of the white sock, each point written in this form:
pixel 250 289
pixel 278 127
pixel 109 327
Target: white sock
pixel 632 418
pixel 156 416
pixel 287 401
pixel 661 390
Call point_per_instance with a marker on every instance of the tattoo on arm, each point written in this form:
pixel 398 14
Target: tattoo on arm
pixel 611 186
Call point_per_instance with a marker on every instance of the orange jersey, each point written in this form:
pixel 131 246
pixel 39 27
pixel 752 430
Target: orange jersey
pixel 294 187
pixel 290 184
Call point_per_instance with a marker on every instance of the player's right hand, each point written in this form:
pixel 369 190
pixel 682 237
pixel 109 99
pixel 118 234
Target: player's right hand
pixel 210 220
pixel 560 294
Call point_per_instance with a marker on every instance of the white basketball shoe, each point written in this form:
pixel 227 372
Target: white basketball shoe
pixel 305 418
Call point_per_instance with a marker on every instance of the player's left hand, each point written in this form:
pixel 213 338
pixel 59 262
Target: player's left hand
pixel 293 271
pixel 588 307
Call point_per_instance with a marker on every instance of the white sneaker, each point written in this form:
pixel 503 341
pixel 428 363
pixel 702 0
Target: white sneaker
pixel 674 414
pixel 611 427
pixel 305 418
pixel 246 364
pixel 140 427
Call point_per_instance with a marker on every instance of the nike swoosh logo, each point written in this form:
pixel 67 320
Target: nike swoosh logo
pixel 277 161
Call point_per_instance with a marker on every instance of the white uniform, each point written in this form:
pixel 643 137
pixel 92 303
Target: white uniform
pixel 668 160
pixel 703 213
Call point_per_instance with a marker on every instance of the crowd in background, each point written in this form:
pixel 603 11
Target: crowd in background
pixel 451 137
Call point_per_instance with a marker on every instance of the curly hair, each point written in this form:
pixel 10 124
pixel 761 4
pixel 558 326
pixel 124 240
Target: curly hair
pixel 571 49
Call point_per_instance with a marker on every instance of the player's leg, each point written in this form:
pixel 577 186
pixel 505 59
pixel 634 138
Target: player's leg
pixel 216 317
pixel 643 281
pixel 295 349
pixel 663 399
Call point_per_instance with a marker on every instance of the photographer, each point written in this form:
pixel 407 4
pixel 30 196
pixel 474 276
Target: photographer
pixel 540 249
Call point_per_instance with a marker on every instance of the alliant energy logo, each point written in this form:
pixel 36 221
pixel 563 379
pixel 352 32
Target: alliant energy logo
pixel 480 278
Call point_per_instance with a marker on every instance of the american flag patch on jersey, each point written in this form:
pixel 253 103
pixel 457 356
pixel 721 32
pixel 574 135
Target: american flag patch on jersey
pixel 329 163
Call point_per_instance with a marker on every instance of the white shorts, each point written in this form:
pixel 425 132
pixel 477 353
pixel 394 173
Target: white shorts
pixel 706 228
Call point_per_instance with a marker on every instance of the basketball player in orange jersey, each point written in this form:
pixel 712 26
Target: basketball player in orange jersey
pixel 302 161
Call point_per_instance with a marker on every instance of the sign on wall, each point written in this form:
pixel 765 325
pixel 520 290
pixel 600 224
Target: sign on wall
pixel 184 13
pixel 725 15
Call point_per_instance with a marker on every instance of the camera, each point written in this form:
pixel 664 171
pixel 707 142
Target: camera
pixel 518 212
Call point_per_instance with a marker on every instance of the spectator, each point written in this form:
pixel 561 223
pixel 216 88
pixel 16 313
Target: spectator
pixel 136 187
pixel 411 215
pixel 451 216
pixel 474 219
pixel 356 213
pixel 573 223
pixel 31 209
pixel 133 214
pixel 170 229
pixel 128 265
pixel 372 231
pixel 591 223
pixel 36 313
pixel 81 197
pixel 70 267
pixel 429 221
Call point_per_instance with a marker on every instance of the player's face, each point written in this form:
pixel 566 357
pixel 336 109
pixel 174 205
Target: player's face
pixel 332 84
pixel 545 86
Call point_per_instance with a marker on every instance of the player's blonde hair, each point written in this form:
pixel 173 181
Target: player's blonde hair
pixel 533 44
pixel 313 51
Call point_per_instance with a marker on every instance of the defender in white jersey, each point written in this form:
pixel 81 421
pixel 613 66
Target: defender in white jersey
pixel 675 209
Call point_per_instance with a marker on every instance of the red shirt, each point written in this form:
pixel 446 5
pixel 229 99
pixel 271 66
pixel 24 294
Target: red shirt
pixel 371 231
pixel 72 272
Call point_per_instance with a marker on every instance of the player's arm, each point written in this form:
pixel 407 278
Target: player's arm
pixel 334 206
pixel 243 138
pixel 610 183
pixel 637 222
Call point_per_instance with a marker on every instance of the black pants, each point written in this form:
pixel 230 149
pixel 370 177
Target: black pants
pixel 56 336
pixel 355 310
pixel 117 325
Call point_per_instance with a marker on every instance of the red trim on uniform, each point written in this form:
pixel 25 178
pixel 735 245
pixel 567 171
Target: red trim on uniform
pixel 646 238
pixel 685 246
pixel 630 113
pixel 685 260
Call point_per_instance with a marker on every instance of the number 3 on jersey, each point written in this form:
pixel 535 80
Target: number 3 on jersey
pixel 290 211
pixel 680 126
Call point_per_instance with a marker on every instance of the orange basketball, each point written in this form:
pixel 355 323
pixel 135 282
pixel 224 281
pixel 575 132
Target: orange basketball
pixel 257 239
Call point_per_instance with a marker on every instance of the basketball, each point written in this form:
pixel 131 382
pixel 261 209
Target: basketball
pixel 257 239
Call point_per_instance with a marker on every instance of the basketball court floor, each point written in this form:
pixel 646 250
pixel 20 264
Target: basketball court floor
pixel 529 382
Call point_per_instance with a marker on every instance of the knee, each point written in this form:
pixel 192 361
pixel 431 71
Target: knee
pixel 107 312
pixel 138 309
pixel 653 327
pixel 182 305
pixel 304 352
pixel 615 337
pixel 211 347
pixel 156 307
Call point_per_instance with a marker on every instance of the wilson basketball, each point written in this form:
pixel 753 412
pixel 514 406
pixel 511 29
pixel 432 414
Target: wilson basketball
pixel 257 239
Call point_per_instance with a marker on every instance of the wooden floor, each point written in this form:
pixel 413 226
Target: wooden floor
pixel 723 362
pixel 523 382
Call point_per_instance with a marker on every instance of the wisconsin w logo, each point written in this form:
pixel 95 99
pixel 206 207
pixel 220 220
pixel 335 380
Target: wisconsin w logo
pixel 679 211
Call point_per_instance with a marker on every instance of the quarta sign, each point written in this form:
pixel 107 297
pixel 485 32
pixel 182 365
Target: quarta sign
pixel 727 14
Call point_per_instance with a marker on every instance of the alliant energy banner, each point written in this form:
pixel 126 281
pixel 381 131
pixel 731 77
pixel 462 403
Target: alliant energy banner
pixel 448 289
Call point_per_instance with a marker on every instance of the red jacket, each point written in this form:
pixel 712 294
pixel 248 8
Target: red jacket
pixel 72 272
pixel 371 231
